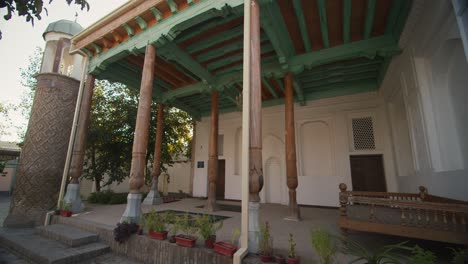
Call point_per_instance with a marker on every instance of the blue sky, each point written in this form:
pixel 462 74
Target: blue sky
pixel 20 39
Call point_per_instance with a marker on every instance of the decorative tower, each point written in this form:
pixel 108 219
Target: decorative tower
pixel 45 145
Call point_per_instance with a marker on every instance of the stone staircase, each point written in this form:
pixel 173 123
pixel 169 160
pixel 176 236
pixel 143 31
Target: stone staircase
pixel 53 244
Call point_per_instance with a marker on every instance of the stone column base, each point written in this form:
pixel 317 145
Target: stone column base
pixel 153 198
pixel 73 197
pixel 254 226
pixel 132 212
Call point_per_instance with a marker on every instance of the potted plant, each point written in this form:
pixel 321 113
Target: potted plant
pixel 226 248
pixel 171 218
pixel 292 258
pixel 265 243
pixel 324 245
pixel 156 224
pixel 187 238
pixel 207 229
pixel 65 208
pixel 280 259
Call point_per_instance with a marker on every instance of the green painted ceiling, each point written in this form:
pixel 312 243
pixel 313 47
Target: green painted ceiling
pixel 333 48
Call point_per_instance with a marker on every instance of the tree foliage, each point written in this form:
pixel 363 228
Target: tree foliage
pixel 32 9
pixel 112 126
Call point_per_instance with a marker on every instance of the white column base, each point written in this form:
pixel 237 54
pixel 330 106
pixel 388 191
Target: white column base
pixel 73 197
pixel 254 226
pixel 153 198
pixel 132 212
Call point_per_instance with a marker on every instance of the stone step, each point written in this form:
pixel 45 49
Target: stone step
pixel 32 246
pixel 68 235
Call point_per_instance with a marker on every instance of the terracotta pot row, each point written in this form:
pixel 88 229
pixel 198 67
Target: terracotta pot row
pixel 66 213
pixel 223 248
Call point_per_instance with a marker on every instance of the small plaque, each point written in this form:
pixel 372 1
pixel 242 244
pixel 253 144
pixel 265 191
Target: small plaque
pixel 200 164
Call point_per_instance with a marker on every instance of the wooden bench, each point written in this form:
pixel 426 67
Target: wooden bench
pixel 414 215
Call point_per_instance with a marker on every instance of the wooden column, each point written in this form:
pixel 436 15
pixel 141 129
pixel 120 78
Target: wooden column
pixel 291 168
pixel 140 139
pixel 255 147
pixel 157 148
pixel 79 147
pixel 213 154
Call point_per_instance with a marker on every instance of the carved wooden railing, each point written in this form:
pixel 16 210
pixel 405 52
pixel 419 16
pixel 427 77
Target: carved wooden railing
pixel 417 210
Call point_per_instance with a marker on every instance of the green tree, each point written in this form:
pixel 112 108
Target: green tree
pixel 4 119
pixel 110 138
pixel 32 9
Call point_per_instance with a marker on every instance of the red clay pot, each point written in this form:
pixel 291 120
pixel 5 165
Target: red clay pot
pixel 185 241
pixel 225 248
pixel 158 235
pixel 172 239
pixel 266 258
pixel 66 213
pixel 296 260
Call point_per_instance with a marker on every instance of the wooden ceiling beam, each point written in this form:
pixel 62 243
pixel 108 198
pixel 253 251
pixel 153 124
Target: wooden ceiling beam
pixel 128 29
pixel 346 21
pixel 170 51
pixel 173 6
pixel 298 91
pixel 368 25
pixel 274 26
pixel 269 87
pixel 157 14
pixel 141 22
pixel 299 11
pixel 323 22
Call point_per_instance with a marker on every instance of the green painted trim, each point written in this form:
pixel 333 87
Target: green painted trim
pixel 237 57
pixel 88 52
pixel 343 89
pixel 323 22
pixel 382 46
pixel 223 36
pixel 195 114
pixel 270 88
pixel 393 16
pixel 184 91
pixel 383 70
pixel 339 74
pixel 280 83
pixel 96 48
pixel 190 2
pixel 346 21
pixel 129 30
pixel 406 8
pixel 201 29
pixel 157 14
pixel 299 91
pixel 274 26
pixel 171 51
pixel 324 70
pixel 369 18
pixel 302 24
pixel 141 22
pixel 173 6
pixel 323 83
pixel 170 26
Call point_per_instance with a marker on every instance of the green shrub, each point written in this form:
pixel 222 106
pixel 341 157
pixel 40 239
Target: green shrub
pixel 118 198
pixel 459 256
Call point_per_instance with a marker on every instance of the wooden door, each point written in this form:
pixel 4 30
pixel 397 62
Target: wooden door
pixel 221 179
pixel 367 173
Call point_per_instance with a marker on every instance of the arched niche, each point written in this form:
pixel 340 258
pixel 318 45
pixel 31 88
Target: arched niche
pixel 274 174
pixel 316 149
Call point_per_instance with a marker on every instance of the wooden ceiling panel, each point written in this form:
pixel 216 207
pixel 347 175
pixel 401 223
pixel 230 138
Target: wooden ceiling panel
pixel 358 17
pixel 382 10
pixel 289 16
pixel 211 32
pixel 217 46
pixel 164 8
pixel 312 18
pixel 335 22
pixel 276 86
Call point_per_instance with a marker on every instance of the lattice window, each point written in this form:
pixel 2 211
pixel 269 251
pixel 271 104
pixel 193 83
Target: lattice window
pixel 363 133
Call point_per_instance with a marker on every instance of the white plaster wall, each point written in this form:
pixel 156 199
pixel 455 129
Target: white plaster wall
pixel 425 90
pixel 330 118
